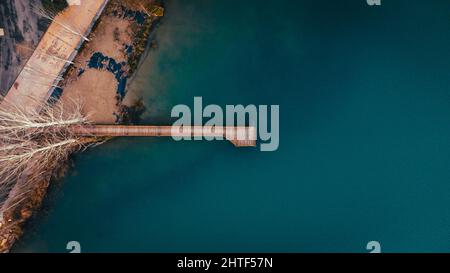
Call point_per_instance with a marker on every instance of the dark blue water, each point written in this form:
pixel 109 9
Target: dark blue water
pixel 100 61
pixel 364 152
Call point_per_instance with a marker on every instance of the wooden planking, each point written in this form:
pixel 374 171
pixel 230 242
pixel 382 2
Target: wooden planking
pixel 240 135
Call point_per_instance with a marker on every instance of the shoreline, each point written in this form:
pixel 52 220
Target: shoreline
pixel 120 41
pixel 18 219
pixel 148 48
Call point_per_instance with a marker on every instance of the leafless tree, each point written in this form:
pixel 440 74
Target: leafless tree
pixel 51 16
pixel 33 143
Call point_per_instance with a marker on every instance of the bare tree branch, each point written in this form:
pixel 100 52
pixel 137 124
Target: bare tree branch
pixel 33 143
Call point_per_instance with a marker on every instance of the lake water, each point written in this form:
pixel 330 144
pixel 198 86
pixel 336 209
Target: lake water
pixel 364 140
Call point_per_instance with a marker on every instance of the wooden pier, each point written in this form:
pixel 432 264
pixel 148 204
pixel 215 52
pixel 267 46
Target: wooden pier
pixel 240 136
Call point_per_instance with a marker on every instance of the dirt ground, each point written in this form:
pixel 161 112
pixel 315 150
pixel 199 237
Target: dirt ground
pixel 99 87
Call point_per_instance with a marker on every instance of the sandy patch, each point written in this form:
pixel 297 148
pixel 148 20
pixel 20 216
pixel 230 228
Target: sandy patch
pixel 110 36
pixel 98 90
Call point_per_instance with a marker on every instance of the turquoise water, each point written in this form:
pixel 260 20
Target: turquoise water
pixel 364 152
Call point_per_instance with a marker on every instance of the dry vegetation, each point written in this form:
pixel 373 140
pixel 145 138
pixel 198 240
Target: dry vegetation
pixel 33 143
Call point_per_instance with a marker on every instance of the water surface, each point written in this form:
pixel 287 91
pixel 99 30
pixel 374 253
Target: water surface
pixel 364 152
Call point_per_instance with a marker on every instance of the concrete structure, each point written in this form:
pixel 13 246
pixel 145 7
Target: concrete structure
pixel 74 2
pixel 57 48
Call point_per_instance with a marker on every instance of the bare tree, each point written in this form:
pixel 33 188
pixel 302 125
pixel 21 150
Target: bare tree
pixel 51 16
pixel 33 143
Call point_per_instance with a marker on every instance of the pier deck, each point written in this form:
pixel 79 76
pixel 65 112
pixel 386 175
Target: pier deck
pixel 240 136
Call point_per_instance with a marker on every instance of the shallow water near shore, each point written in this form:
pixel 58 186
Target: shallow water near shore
pixel 364 152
